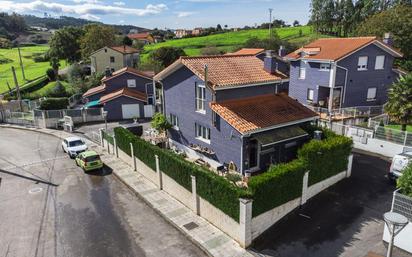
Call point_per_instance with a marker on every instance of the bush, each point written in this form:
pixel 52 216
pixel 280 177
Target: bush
pixel 160 123
pixel 54 103
pixel 280 184
pixel 405 181
pixel 51 74
pixel 58 91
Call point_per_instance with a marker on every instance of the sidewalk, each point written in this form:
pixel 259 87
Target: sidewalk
pixel 213 241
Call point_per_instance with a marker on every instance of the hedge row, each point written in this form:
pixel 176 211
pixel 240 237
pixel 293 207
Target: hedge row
pixel 108 137
pixel 211 187
pixel 54 103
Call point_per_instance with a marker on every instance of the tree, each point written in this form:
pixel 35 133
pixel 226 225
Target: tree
pixel 95 37
pixel 127 41
pixel 296 23
pixel 160 123
pixel 399 105
pixel 50 73
pixel 65 44
pixel 167 55
pixel 55 64
pixel 218 27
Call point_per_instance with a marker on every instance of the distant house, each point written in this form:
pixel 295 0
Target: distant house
pixel 197 31
pixel 226 110
pixel 144 37
pixel 343 72
pixel 114 58
pixel 182 33
pixel 124 94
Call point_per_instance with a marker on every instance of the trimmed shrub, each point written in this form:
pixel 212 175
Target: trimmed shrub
pixel 51 74
pixel 54 103
pixel 280 184
pixel 405 181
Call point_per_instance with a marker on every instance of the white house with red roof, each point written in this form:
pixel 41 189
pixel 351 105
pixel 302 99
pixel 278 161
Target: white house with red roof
pixel 114 58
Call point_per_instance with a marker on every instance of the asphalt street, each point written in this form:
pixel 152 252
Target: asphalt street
pixel 50 207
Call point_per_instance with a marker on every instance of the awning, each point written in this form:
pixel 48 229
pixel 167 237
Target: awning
pixel 280 135
pixel 92 104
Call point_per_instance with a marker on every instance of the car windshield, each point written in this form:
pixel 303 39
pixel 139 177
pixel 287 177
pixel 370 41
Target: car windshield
pixel 92 158
pixel 76 143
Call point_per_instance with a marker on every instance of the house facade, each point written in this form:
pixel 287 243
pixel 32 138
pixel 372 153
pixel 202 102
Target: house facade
pixel 114 58
pixel 124 94
pixel 180 33
pixel 226 111
pixel 336 73
pixel 145 37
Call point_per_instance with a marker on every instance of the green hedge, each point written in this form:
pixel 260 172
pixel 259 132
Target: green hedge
pixel 108 137
pixel 54 103
pixel 211 187
pixel 280 184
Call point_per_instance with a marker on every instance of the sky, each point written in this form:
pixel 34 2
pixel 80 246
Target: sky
pixel 162 14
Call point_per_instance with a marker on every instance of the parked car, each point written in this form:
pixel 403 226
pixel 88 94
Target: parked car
pixel 73 146
pixel 399 162
pixel 89 160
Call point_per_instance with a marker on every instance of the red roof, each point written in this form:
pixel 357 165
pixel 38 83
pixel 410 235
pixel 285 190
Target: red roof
pixel 144 74
pixel 95 90
pixel 336 48
pixel 124 92
pixel 144 35
pixel 254 113
pixel 125 49
pixel 248 51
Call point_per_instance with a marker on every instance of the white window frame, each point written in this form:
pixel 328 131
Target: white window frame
pixel 174 120
pixel 202 133
pixel 368 93
pixel 302 73
pixel 381 64
pixel 200 98
pixel 324 67
pixel 308 94
pixel 131 83
pixel 362 66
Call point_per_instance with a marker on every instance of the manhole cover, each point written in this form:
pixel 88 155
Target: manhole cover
pixel 190 225
pixel 35 190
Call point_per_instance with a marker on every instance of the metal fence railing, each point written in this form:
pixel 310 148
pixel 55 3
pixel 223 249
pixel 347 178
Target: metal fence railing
pixel 402 204
pixel 349 112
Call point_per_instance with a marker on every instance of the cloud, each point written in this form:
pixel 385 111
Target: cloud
pixel 87 1
pixel 184 14
pixel 119 3
pixel 89 16
pixel 83 7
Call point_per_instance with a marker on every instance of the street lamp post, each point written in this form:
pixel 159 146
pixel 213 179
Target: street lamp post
pixel 105 118
pixel 395 222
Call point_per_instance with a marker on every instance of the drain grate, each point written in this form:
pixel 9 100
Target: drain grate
pixel 190 225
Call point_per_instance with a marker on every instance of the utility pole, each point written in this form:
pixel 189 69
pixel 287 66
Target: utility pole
pixel 21 63
pixel 270 22
pixel 16 83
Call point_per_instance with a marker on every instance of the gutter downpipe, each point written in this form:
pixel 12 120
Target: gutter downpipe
pixel 332 81
pixel 344 88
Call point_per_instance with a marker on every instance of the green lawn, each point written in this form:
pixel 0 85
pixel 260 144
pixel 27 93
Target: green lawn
pixel 47 88
pixel 230 41
pixel 394 126
pixel 32 69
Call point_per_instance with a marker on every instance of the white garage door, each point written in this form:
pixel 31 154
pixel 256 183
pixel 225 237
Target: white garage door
pixel 129 111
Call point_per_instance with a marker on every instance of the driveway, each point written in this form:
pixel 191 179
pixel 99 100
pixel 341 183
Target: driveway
pixel 345 220
pixel 50 207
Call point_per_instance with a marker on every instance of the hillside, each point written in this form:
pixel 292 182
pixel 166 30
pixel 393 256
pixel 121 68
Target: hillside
pixel 230 41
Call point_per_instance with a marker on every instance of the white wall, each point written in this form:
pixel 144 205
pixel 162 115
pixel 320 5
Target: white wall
pixel 403 240
pixel 381 147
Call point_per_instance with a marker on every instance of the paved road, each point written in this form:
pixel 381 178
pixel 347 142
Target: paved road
pixel 345 220
pixel 49 207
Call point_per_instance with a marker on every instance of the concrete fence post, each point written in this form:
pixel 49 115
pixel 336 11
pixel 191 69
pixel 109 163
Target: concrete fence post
pixel 133 157
pixel 115 150
pixel 101 137
pixel 84 118
pixel 406 138
pixel 108 147
pixel 349 169
pixel 43 116
pixel 195 197
pixel 245 222
pixel 305 184
pixel 159 172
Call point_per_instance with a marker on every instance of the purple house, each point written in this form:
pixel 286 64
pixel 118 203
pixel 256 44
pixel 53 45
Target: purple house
pixel 124 94
pixel 343 72
pixel 226 110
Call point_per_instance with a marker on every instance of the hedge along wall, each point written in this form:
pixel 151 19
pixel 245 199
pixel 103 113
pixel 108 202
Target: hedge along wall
pixel 213 188
pixel 108 137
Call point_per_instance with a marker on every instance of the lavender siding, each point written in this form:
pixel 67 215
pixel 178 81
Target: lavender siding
pixel 95 96
pixel 237 93
pixel 119 82
pixel 179 92
pixel 114 107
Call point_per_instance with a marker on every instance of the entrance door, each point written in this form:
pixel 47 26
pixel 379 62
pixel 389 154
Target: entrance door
pixel 253 154
pixel 337 93
pixel 129 111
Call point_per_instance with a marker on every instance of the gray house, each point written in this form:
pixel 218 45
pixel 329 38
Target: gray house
pixel 343 72
pixel 226 110
pixel 124 94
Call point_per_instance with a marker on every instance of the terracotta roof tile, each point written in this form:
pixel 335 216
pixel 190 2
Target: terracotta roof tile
pixel 125 49
pixel 248 51
pixel 95 90
pixel 124 92
pixel 130 70
pixel 254 113
pixel 143 35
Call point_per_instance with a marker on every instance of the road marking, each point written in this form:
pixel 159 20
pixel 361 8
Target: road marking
pixel 36 162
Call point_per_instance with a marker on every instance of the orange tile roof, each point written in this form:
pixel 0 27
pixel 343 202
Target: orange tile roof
pixel 334 48
pixel 124 92
pixel 254 113
pixel 143 35
pixel 125 49
pixel 94 90
pixel 248 51
pixel 230 70
pixel 121 71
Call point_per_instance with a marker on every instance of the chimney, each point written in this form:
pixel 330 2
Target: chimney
pixel 282 51
pixel 107 72
pixel 270 64
pixel 388 39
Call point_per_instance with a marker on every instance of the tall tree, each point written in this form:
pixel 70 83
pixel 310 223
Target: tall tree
pixel 347 18
pixel 167 55
pixel 65 44
pixel 399 106
pixel 95 37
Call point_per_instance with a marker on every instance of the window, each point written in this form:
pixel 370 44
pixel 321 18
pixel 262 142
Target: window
pixel 379 62
pixel 324 67
pixel 131 83
pixel 302 71
pixel 371 94
pixel 363 63
pixel 200 98
pixel 174 120
pixel 105 50
pixel 112 59
pixel 202 133
pixel 310 94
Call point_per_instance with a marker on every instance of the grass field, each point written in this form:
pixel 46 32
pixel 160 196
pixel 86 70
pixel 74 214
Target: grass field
pixel 399 127
pixel 32 69
pixel 50 86
pixel 230 41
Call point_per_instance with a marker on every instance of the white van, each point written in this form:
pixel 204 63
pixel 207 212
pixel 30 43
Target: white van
pixel 399 162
